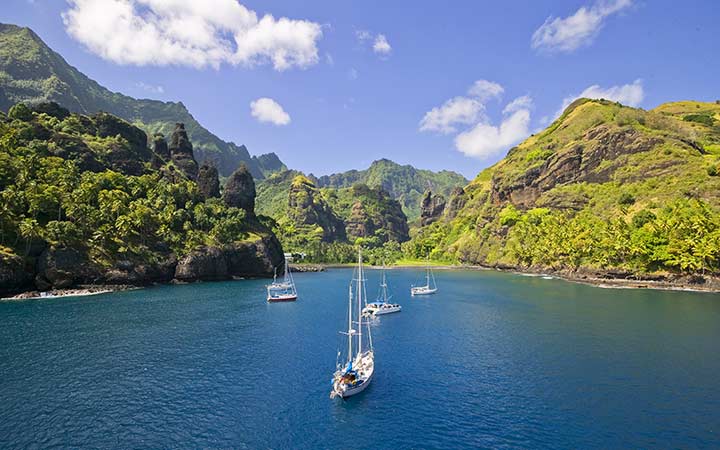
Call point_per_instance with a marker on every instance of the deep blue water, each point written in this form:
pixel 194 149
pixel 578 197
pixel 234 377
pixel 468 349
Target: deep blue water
pixel 493 360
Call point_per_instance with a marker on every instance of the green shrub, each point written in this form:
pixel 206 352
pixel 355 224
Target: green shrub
pixel 626 199
pixel 704 119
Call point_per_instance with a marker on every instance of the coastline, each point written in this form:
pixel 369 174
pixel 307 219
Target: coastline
pixel 599 279
pixel 80 291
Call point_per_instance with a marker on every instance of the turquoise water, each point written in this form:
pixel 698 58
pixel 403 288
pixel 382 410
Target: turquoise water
pixel 493 360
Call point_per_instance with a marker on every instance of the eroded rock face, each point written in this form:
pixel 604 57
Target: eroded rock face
pixel 208 181
pixel 382 216
pixel 181 152
pixel 307 207
pixel 239 190
pixel 431 208
pixel 582 162
pixel 62 268
pixel 245 259
pixel 14 276
pixel 359 223
pixel 161 153
pixel 126 158
pixel 456 203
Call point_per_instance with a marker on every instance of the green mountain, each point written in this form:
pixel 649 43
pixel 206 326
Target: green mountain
pixel 326 222
pixel 83 200
pixel 404 183
pixel 31 72
pixel 604 188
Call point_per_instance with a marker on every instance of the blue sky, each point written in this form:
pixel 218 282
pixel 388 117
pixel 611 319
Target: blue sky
pixel 344 104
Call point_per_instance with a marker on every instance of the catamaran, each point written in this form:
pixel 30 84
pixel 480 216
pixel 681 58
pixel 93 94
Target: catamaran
pixel 354 375
pixel 428 288
pixel 382 304
pixel 283 291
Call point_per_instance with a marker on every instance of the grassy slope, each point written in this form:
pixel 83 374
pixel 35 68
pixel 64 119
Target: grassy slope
pixel 31 71
pixel 671 170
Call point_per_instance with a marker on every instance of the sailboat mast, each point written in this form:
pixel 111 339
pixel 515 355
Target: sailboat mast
pixel 350 336
pixel 359 300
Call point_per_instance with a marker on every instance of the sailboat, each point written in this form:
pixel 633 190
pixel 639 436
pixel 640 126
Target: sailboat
pixel 428 288
pixel 355 373
pixel 283 291
pixel 382 304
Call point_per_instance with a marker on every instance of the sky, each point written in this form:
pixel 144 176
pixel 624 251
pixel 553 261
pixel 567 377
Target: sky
pixel 334 85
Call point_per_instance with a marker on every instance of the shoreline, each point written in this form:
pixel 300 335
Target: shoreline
pixel 603 280
pixel 80 291
pixel 709 284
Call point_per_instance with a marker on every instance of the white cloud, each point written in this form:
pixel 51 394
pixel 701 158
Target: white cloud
pixel 196 33
pixel 485 140
pixel 268 110
pixel 352 74
pixel 461 110
pixel 524 102
pixel 150 88
pixel 381 45
pixel 458 110
pixel 627 94
pixel 572 32
pixel 484 90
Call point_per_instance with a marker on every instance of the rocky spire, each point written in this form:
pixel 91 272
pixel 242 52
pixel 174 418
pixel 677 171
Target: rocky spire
pixel 239 190
pixel 431 208
pixel 208 181
pixel 181 152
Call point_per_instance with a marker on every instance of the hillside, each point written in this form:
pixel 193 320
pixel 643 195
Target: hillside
pixel 83 200
pixel 325 223
pixel 404 183
pixel 30 71
pixel 604 188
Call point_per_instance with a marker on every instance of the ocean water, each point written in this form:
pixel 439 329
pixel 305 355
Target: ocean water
pixel 493 360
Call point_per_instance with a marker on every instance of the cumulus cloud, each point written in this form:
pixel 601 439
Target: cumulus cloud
pixel 485 90
pixel 485 140
pixel 378 42
pixel 196 33
pixel 267 110
pixel 461 110
pixel 570 33
pixel 458 110
pixel 627 94
pixel 381 45
pixel 520 103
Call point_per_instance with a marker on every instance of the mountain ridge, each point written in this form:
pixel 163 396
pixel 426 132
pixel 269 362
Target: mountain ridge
pixel 31 71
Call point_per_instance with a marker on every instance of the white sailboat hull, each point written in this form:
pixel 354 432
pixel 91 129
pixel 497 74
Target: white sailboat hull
pixel 383 310
pixel 365 368
pixel 422 290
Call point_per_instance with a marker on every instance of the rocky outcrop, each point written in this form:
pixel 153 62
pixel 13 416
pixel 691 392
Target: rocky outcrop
pixel 245 259
pixel 456 203
pixel 181 152
pixel 14 275
pixel 208 181
pixel 375 213
pixel 239 191
pixel 306 207
pixel 64 267
pixel 431 208
pixel 126 157
pixel 591 161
